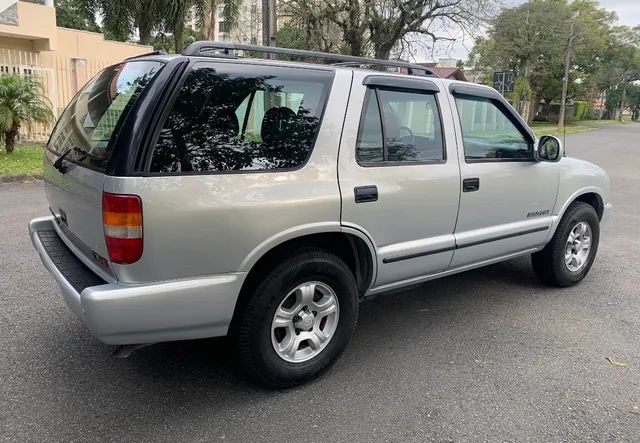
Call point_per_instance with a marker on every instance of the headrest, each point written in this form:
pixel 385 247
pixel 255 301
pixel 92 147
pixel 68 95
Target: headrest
pixel 278 124
pixel 224 120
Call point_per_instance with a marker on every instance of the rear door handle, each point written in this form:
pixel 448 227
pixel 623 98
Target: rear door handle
pixel 470 184
pixel 365 194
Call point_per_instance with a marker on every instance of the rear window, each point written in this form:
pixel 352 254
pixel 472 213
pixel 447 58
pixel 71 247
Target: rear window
pixel 92 120
pixel 242 118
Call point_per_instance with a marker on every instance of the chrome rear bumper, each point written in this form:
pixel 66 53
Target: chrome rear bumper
pixel 125 314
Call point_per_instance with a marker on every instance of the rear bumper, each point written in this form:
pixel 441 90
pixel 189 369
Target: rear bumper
pixel 127 314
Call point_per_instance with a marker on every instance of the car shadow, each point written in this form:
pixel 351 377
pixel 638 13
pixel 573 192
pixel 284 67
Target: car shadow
pixel 175 379
pixel 211 360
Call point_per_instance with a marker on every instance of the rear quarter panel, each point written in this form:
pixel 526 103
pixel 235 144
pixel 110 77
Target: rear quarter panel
pixel 199 225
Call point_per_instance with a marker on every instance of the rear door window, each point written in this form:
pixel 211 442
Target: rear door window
pixel 87 127
pixel 242 118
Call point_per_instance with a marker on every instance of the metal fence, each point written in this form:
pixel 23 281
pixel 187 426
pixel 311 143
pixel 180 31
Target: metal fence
pixel 59 76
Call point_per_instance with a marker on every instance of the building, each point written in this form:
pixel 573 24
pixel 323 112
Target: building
pixel 63 59
pixel 248 29
pixel 448 72
pixel 448 63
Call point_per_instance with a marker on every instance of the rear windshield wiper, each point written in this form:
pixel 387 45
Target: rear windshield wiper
pixel 86 154
pixel 59 163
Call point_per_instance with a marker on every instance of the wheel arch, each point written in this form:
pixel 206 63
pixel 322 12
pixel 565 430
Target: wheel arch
pixel 349 244
pixel 592 196
pixel 594 199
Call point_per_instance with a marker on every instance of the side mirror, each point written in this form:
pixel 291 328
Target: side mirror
pixel 549 149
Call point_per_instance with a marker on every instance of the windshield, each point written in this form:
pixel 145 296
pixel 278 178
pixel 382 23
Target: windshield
pixel 93 118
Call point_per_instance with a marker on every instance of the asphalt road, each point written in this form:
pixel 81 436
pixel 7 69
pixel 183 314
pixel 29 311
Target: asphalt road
pixel 488 355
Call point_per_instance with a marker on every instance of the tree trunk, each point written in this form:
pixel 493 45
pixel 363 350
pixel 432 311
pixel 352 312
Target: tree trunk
pixel 565 85
pixel 209 20
pixel 624 98
pixel 178 35
pixel 273 25
pixel 145 37
pixel 10 139
pixel 144 27
pixel 532 107
pixel 383 53
pixel 565 80
pixel 266 31
pixel 354 42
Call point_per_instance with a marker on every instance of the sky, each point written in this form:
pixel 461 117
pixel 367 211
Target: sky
pixel 628 12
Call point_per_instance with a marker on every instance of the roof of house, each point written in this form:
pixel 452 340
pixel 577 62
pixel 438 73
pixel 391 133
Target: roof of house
pixel 448 73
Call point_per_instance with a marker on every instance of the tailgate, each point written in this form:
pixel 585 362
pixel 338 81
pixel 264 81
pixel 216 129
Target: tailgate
pixel 79 151
pixel 75 200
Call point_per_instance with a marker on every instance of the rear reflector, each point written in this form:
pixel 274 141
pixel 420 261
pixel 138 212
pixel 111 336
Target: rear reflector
pixel 122 219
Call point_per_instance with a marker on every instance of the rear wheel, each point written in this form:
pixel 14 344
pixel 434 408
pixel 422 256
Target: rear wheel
pixel 299 319
pixel 569 255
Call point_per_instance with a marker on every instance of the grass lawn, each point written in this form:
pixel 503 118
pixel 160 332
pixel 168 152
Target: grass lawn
pixel 25 160
pixel 543 128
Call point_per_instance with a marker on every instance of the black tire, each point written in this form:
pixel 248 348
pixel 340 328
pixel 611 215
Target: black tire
pixel 252 335
pixel 549 263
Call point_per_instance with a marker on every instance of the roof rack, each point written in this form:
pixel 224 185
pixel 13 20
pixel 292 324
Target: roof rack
pixel 226 50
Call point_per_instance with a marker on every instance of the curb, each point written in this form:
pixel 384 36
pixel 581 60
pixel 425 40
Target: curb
pixel 19 178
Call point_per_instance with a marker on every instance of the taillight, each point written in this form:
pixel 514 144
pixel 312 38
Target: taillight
pixel 122 219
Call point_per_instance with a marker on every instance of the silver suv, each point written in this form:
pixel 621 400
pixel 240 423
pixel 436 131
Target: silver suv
pixel 204 194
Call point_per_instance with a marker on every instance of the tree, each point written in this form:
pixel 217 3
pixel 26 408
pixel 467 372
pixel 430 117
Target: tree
pixel 174 20
pixel 378 26
pixel 634 100
pixel 529 40
pixel 622 63
pixel 589 27
pixel 76 14
pixel 544 41
pixel 22 102
pixel 165 42
pixel 206 14
pixel 120 18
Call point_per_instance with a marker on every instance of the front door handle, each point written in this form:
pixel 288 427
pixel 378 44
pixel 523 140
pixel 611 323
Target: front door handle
pixel 365 194
pixel 470 184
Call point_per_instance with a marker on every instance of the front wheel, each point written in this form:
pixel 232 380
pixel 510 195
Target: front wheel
pixel 299 319
pixel 569 255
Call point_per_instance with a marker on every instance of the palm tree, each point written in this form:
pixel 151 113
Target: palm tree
pixel 206 11
pixel 120 18
pixel 207 15
pixel 22 101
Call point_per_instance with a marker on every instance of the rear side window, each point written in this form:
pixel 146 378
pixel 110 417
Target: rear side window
pixel 400 126
pixel 92 120
pixel 242 118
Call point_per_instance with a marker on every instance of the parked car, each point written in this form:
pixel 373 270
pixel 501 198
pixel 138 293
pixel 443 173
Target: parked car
pixel 204 194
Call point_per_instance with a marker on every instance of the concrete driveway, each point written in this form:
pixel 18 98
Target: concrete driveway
pixel 489 355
